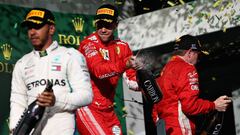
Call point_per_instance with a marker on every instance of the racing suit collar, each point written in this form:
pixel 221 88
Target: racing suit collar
pixel 51 48
pixel 105 44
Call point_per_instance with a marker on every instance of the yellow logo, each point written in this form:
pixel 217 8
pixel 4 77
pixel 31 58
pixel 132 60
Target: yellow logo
pixel 106 11
pixel 117 49
pixel 78 24
pixel 7 51
pixel 35 13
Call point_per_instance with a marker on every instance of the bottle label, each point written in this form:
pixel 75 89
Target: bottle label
pixel 151 91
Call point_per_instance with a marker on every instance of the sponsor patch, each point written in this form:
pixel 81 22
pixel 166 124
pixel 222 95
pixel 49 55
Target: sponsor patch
pixel 116 130
pixel 193 80
pixel 107 75
pixel 105 54
pixel 117 50
pixel 36 13
pixel 43 82
pixel 56 68
pixel 92 54
pixel 56 59
pixel 194 87
pixel 106 11
pixel 192 74
pixel 90 50
pixel 28 72
pixel 29 65
pixel 121 43
pixel 93 38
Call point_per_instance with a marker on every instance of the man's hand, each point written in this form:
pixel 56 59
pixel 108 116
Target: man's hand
pixel 46 99
pixel 222 103
pixel 132 62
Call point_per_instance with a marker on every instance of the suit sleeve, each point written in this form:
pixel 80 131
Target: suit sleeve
pixel 130 78
pixel 189 94
pixel 99 67
pixel 79 82
pixel 18 100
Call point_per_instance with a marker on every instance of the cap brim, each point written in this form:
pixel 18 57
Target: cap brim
pixel 31 24
pixel 201 51
pixel 105 20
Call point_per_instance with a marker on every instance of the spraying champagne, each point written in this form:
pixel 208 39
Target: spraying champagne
pixel 147 82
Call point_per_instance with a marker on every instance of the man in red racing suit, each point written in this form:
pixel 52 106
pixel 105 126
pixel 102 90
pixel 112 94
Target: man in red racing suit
pixel 180 87
pixel 107 60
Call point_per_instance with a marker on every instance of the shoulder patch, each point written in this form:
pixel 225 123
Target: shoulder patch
pixel 90 49
pixel 92 38
pixel 120 42
pixel 193 80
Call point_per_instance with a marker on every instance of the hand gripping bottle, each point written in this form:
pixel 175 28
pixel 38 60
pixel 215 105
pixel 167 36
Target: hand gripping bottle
pixel 31 116
pixel 214 123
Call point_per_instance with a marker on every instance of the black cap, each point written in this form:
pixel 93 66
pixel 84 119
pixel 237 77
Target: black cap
pixel 107 13
pixel 38 17
pixel 187 42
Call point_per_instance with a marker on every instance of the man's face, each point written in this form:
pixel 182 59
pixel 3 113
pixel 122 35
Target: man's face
pixel 105 30
pixel 193 57
pixel 39 37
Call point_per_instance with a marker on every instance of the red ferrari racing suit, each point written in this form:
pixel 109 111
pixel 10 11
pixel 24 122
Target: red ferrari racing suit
pixel 180 88
pixel 106 63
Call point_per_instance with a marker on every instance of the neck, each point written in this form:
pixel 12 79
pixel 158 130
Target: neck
pixel 111 39
pixel 185 59
pixel 44 47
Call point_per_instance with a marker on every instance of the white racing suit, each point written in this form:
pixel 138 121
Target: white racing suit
pixel 67 70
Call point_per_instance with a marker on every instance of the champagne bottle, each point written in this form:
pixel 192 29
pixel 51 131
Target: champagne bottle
pixel 214 123
pixel 147 82
pixel 31 116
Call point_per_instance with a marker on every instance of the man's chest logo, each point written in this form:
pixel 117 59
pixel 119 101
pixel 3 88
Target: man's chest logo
pixel 105 54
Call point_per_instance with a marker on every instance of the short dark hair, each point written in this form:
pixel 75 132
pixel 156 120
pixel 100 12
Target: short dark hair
pixel 179 52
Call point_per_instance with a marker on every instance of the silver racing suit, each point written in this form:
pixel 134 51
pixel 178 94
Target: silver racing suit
pixel 66 69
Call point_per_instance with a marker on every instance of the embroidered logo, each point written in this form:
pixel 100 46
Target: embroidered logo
pixel 105 54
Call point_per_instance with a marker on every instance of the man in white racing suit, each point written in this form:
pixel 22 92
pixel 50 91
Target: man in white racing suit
pixel 64 67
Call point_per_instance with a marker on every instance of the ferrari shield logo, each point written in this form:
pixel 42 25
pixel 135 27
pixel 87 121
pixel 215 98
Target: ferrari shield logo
pixel 117 49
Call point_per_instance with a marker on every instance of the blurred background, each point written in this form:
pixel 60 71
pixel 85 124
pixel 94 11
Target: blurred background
pixel 128 8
